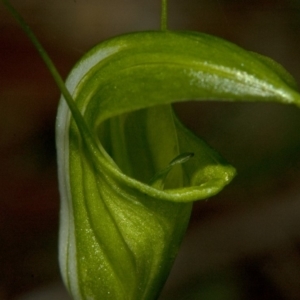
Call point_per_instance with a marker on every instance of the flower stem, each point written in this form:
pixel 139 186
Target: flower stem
pixel 164 6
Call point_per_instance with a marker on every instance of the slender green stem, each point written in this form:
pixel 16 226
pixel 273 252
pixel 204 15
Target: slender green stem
pixel 82 126
pixel 164 15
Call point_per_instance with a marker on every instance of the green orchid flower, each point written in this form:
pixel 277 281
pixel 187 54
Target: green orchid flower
pixel 129 171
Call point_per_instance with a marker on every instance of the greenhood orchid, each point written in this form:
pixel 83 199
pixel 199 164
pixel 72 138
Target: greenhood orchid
pixel 129 171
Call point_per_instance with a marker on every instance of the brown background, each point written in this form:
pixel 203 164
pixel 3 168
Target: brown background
pixel 241 244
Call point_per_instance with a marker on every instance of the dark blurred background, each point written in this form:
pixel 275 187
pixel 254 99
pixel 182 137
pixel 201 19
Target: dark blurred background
pixel 243 244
